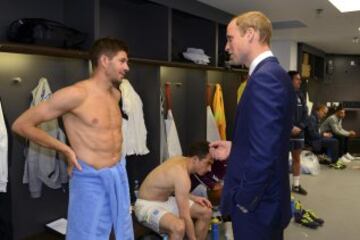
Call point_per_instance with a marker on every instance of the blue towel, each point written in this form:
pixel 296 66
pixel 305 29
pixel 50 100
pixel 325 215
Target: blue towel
pixel 99 201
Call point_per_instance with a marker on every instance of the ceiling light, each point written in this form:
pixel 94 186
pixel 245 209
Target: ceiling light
pixel 346 6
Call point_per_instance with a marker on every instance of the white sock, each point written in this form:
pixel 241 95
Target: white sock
pixel 296 180
pixel 229 235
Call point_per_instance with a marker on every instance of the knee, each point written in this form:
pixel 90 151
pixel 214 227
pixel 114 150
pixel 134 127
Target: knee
pixel 179 228
pixel 206 213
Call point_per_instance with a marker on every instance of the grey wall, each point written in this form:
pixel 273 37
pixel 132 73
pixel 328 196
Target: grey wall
pixel 286 52
pixel 340 84
pixel 343 84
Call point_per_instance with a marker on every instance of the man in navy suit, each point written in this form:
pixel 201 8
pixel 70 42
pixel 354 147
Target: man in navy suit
pixel 256 190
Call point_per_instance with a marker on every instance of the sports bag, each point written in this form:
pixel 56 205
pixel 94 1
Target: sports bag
pixel 45 32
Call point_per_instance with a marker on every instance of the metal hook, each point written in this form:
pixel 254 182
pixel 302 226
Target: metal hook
pixel 16 80
pixel 178 84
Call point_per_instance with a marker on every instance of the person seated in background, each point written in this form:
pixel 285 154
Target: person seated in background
pixel 333 124
pixel 165 204
pixel 321 141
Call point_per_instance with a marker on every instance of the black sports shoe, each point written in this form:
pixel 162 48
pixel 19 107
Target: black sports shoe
pixel 324 159
pixel 313 216
pixel 299 190
pixel 304 219
pixel 337 165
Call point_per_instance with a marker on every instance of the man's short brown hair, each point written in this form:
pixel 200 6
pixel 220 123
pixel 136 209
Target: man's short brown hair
pixel 199 149
pixel 319 107
pixel 258 21
pixel 107 46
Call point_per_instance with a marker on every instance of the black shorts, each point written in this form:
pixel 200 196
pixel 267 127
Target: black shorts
pixel 296 143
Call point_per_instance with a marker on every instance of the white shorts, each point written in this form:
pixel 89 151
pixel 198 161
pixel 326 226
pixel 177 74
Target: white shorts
pixel 149 213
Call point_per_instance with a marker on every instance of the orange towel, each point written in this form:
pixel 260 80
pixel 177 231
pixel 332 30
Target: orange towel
pixel 219 111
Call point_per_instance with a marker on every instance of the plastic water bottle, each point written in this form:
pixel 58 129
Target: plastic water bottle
pixel 136 188
pixel 215 233
pixel 292 205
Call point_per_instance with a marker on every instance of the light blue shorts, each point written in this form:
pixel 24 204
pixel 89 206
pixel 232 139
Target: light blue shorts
pixel 99 201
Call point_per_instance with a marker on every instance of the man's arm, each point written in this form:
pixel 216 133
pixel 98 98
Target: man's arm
pixel 295 131
pixel 59 103
pixel 182 189
pixel 337 129
pixel 200 200
pixel 352 133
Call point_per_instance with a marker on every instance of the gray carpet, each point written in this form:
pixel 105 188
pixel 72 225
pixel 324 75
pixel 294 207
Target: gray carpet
pixel 335 196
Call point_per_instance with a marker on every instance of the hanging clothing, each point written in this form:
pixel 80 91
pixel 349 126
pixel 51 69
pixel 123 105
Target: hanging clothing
pixel 6 226
pixel 218 169
pixel 3 152
pixel 240 91
pixel 219 111
pixel 44 165
pixel 134 129
pixel 309 104
pixel 172 137
pixel 164 154
pixel 212 131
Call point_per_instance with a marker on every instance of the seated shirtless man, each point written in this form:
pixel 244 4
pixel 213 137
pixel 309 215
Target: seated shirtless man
pixel 165 204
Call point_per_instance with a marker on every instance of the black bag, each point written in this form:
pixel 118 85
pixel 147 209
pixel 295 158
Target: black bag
pixel 45 32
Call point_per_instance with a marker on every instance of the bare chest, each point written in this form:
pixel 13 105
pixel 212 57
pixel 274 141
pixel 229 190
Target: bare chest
pixel 103 113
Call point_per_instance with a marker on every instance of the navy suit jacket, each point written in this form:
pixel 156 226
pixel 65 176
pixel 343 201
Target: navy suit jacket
pixel 257 180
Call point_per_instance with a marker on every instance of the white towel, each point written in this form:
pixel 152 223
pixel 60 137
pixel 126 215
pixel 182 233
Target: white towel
pixel 163 142
pixel 134 130
pixel 3 153
pixel 212 131
pixel 172 137
pixel 309 104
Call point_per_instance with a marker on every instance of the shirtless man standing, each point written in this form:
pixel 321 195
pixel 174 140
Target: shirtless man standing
pixel 99 192
pixel 159 210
